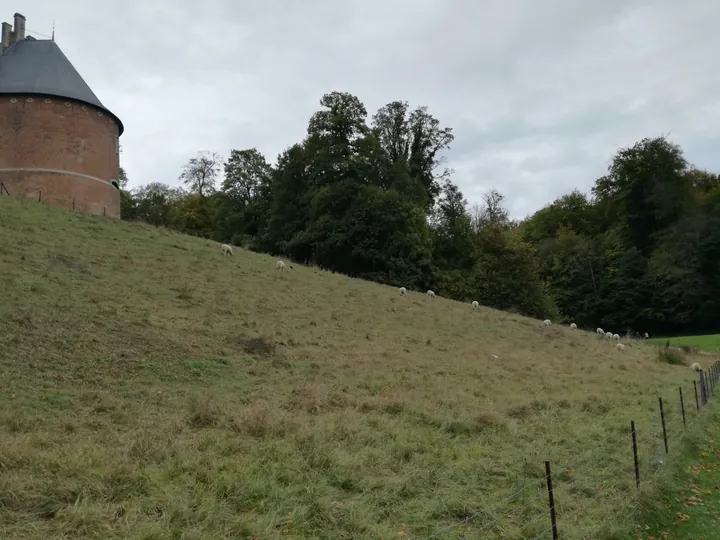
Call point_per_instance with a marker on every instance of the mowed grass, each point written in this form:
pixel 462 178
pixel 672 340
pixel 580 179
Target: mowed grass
pixel 704 343
pixel 151 388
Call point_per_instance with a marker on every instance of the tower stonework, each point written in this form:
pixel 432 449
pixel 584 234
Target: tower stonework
pixel 58 142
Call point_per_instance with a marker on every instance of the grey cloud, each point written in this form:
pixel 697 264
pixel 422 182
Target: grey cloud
pixel 540 94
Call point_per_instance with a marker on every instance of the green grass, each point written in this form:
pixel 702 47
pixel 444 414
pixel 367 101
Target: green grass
pixel 151 388
pixel 704 343
pixel 691 511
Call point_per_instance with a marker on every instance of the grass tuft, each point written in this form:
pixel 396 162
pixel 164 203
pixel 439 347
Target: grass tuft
pixel 671 356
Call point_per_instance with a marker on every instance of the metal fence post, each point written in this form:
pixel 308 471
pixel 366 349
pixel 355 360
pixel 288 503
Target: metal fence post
pixel 682 407
pixel 553 519
pixel 635 455
pixel 662 419
pixel 697 401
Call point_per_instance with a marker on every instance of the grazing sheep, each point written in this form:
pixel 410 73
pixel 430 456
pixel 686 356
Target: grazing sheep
pixel 403 291
pixel 600 332
pixel 475 305
pixel 573 326
pixel 280 265
pixel 226 249
pixel 431 294
pixel 547 322
pixel 696 366
pixel 616 337
pixel 620 347
pixel 608 335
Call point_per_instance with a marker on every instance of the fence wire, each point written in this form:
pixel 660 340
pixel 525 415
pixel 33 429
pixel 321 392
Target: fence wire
pixel 620 484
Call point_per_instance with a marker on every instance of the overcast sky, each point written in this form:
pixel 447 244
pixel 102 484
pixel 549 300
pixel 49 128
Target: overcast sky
pixel 540 93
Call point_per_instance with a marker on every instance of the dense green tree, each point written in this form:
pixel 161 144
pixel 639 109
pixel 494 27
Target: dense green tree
pixel 289 207
pixel 374 201
pixel 245 172
pixel 413 142
pixel 506 274
pixel 152 203
pixel 194 215
pixel 454 247
pixel 646 190
pixel 243 203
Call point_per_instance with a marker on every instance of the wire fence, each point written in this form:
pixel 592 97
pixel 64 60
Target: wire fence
pixel 69 203
pixel 541 517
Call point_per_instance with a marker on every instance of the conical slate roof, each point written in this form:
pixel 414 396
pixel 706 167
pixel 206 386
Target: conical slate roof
pixel 40 67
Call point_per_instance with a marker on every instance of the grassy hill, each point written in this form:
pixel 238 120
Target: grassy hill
pixel 151 388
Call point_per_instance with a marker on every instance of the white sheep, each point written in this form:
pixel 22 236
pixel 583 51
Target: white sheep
pixel 573 326
pixel 600 332
pixel 616 337
pixel 403 291
pixel 431 294
pixel 475 305
pixel 620 347
pixel 225 249
pixel 696 366
pixel 547 322
pixel 280 265
pixel 608 335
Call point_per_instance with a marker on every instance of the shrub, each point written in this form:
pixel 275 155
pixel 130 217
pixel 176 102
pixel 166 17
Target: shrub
pixel 671 356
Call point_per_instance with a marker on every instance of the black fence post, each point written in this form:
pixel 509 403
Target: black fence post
pixel 703 389
pixel 697 401
pixel 553 519
pixel 103 211
pixel 682 407
pixel 39 195
pixel 662 419
pixel 635 456
pixel 73 203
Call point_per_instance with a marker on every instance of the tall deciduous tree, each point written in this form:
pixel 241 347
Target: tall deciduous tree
pixel 491 212
pixel 200 173
pixel 413 143
pixel 122 179
pixel 646 190
pixel 246 171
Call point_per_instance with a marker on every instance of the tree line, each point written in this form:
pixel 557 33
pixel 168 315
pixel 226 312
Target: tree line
pixel 373 200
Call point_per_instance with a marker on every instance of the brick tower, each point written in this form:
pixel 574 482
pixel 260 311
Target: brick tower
pixel 58 142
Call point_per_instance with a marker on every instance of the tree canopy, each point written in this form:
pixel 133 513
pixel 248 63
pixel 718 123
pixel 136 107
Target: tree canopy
pixel 371 199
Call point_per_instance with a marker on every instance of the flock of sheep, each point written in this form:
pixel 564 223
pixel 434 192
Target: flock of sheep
pixel 280 265
pixel 226 249
pixel 547 322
